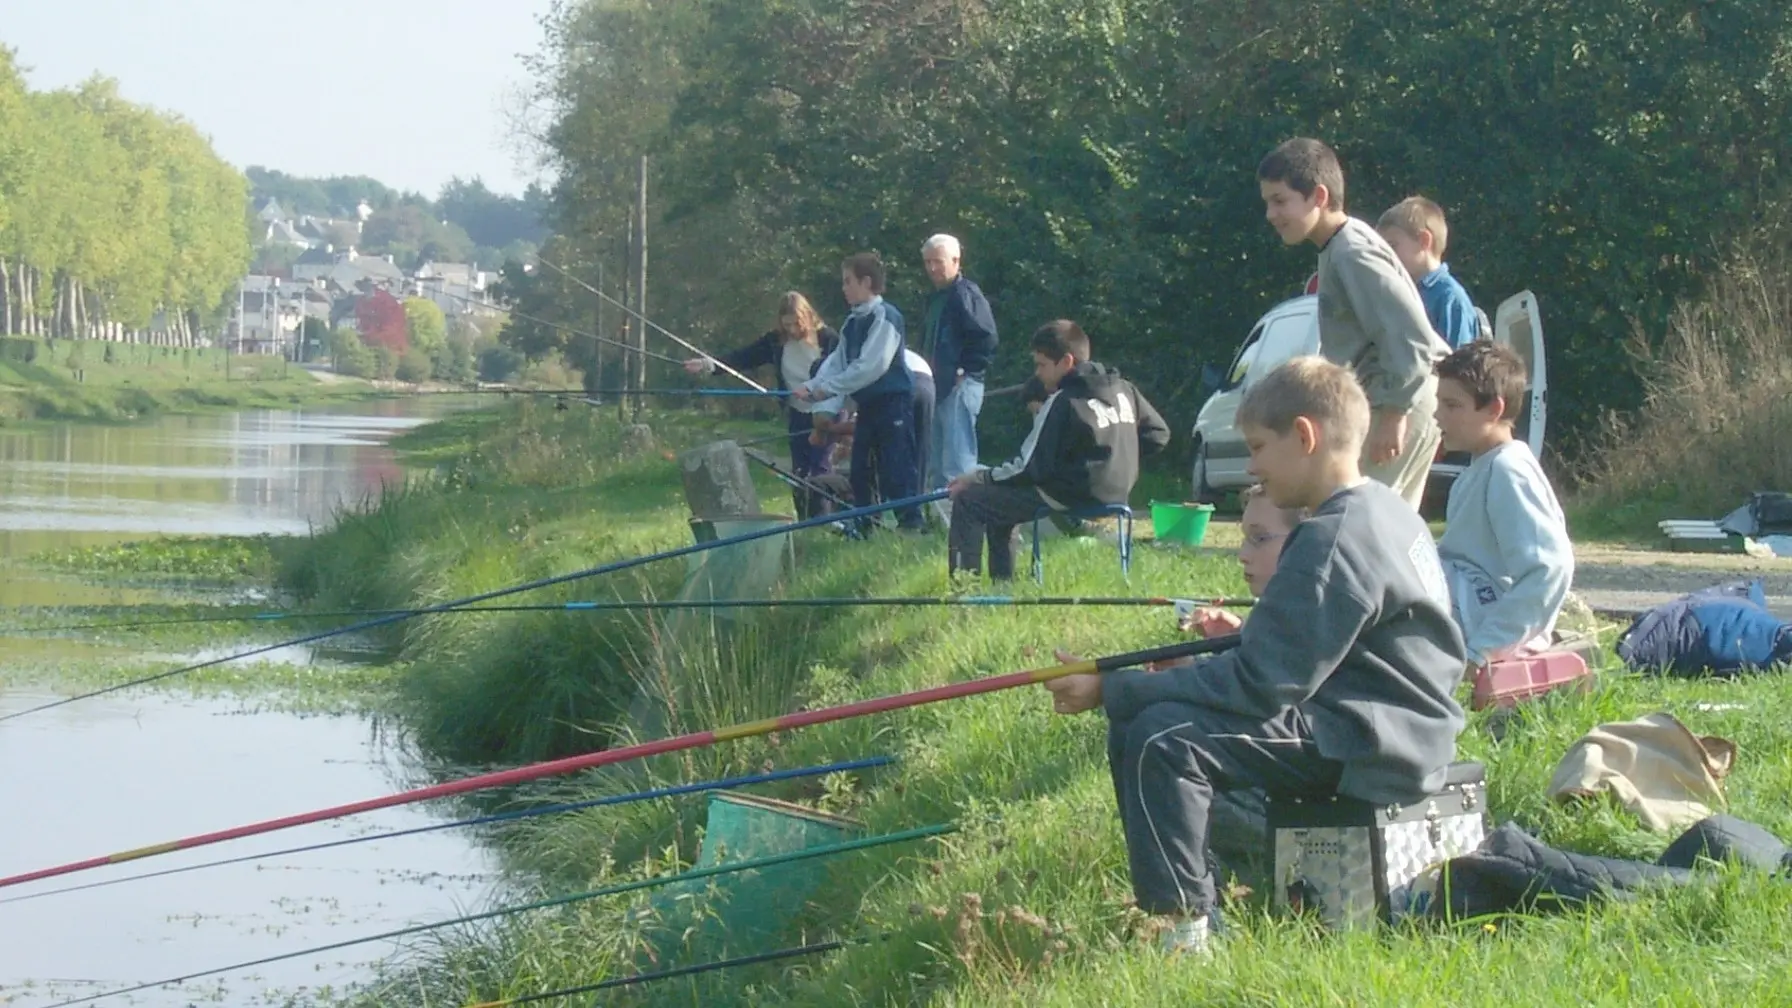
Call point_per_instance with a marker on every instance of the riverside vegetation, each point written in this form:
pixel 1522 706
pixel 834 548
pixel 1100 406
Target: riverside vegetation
pixel 1028 904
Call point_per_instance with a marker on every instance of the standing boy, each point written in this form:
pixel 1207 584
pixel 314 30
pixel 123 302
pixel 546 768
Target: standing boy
pixel 868 365
pixel 1083 451
pixel 1343 679
pixel 1370 317
pixel 1505 546
pixel 959 339
pixel 1416 230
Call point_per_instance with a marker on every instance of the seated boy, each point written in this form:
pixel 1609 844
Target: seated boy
pixel 1265 527
pixel 1415 227
pixel 1344 678
pixel 1083 451
pixel 1505 545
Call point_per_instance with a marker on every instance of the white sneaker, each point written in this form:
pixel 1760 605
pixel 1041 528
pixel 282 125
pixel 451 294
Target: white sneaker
pixel 1186 936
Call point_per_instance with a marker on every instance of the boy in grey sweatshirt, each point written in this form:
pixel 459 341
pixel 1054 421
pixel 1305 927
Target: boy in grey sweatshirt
pixel 1370 316
pixel 1505 546
pixel 1344 678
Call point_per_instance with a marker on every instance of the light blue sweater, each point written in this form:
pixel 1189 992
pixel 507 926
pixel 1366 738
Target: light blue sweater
pixel 1506 550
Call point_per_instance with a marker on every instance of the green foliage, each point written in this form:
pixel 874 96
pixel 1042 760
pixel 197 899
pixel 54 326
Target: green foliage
pixel 110 212
pixel 413 235
pixel 413 366
pixel 350 356
pixel 1097 156
pixel 17 348
pixel 212 560
pixel 499 363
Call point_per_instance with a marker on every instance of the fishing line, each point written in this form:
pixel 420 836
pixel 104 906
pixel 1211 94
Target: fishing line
pixel 396 617
pixel 650 883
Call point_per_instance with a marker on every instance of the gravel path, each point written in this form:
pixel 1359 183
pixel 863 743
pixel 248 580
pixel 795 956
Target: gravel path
pixel 1628 579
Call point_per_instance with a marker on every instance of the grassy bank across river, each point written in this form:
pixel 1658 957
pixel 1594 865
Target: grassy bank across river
pixel 92 380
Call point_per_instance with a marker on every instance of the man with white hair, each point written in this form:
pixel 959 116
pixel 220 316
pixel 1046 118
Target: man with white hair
pixel 959 340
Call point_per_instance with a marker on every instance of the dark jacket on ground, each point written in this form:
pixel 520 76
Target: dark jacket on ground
pixel 1086 441
pixel 965 335
pixel 768 351
pixel 1354 631
pixel 1720 631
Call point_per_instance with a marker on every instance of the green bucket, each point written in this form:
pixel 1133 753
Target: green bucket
pixel 1184 523
pixel 747 911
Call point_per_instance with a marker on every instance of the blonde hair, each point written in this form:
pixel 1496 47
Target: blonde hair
pixel 1290 516
pixel 1415 214
pixel 1325 393
pixel 794 304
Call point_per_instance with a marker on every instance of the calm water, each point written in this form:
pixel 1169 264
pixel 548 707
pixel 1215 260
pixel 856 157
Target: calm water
pixel 141 767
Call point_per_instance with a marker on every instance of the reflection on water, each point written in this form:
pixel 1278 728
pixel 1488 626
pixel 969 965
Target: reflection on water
pixel 138 767
pixel 116 773
pixel 246 473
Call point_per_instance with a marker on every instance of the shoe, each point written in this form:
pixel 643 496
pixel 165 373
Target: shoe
pixel 1187 936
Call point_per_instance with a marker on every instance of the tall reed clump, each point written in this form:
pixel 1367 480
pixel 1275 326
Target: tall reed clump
pixel 1717 404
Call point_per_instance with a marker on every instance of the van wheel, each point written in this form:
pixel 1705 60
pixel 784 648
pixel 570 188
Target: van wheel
pixel 1204 493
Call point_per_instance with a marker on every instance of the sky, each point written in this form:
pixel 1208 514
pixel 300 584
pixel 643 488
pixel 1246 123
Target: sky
pixel 410 92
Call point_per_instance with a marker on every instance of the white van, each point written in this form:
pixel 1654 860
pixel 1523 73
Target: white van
pixel 1291 329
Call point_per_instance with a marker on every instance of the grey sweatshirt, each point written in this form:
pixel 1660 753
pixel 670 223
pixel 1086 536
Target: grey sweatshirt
pixel 1354 630
pixel 1371 319
pixel 1506 550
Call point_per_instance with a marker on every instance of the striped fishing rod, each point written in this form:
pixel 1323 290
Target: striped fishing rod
pixel 725 784
pixel 624 754
pixel 547 582
pixel 895 601
pixel 711 871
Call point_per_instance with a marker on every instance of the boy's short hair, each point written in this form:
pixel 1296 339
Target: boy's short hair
pixel 1290 516
pixel 1327 394
pixel 1485 370
pixel 866 266
pixel 1057 338
pixel 1415 214
pixel 1304 164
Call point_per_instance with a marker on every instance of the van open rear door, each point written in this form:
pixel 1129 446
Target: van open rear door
pixel 1519 325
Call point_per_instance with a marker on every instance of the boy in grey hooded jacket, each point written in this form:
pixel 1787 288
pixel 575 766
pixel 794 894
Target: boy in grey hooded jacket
pixel 1344 676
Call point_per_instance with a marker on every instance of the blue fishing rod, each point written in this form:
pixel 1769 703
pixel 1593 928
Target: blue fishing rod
pixel 724 784
pixel 578 575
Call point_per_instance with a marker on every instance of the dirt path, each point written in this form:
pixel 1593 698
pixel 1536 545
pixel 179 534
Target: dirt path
pixel 1620 578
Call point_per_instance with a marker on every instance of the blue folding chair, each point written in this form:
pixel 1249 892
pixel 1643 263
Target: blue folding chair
pixel 1120 511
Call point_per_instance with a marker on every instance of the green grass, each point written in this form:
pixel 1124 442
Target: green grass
pixel 218 560
pixel 1029 903
pixel 76 381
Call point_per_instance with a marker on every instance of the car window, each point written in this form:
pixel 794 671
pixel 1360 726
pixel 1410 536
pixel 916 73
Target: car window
pixel 1519 336
pixel 1285 337
pixel 1242 362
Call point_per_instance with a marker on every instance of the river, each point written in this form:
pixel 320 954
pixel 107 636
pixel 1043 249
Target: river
pixel 140 766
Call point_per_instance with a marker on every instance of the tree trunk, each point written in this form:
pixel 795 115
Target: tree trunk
pixel 5 299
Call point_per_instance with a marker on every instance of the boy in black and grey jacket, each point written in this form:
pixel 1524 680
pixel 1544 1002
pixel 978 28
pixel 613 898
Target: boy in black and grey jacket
pixel 1344 678
pixel 1083 451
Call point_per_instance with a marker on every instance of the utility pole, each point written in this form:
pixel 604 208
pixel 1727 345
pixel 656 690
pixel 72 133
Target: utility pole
pixel 629 324
pixel 641 283
pixel 597 352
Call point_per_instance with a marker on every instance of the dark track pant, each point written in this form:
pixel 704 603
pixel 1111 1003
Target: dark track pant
pixel 806 460
pixel 884 435
pixel 1168 762
pixel 923 428
pixel 993 512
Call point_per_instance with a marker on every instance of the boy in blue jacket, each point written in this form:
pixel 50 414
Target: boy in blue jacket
pixel 1343 681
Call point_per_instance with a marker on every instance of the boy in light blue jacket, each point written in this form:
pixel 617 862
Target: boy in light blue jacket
pixel 1505 546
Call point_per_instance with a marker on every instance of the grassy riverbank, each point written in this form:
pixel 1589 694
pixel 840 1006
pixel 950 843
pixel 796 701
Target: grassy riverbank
pixel 1029 903
pixel 97 381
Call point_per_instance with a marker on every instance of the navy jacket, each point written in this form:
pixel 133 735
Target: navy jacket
pixel 965 336
pixel 1718 631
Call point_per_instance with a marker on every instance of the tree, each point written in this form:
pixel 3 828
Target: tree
pixel 381 320
pixel 349 356
pixel 412 235
pixel 490 219
pixel 425 324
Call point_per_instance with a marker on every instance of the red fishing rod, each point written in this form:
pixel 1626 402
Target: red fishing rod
pixel 695 740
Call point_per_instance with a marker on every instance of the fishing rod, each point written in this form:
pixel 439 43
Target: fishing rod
pixel 513 313
pixel 402 615
pixel 682 971
pixel 642 750
pixel 726 868
pixel 662 330
pixel 793 480
pixel 652 604
pixel 725 784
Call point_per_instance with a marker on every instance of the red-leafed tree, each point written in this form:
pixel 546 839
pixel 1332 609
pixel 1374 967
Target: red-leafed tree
pixel 381 320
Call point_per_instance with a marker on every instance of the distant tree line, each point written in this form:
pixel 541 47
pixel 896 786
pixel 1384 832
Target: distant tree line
pixel 1097 158
pixel 116 221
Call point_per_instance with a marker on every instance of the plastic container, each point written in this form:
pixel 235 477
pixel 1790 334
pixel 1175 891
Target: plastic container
pixel 1184 523
pixel 1512 680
